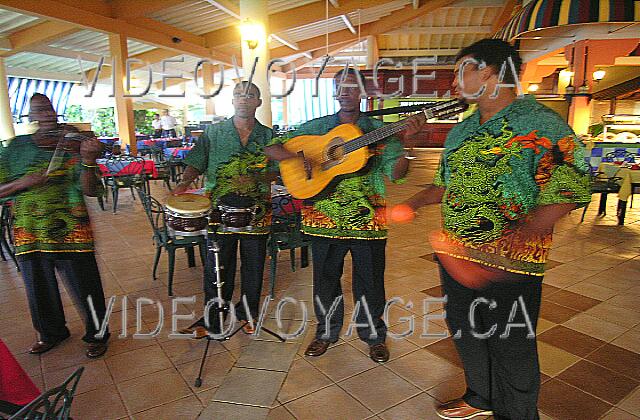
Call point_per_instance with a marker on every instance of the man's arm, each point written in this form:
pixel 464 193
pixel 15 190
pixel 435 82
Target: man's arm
pixel 401 168
pixel 414 125
pixel 28 181
pixel 432 194
pixel 278 152
pixel 90 149
pixel 542 219
pixel 190 174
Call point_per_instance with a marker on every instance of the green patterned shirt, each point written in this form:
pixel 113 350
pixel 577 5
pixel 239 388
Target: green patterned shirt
pixel 52 217
pixel 354 208
pixel 496 173
pixel 222 158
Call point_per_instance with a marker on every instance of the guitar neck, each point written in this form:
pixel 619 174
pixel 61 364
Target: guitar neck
pixel 375 136
pixel 394 128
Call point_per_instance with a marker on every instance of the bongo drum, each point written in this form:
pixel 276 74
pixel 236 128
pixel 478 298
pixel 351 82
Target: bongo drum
pixel 187 212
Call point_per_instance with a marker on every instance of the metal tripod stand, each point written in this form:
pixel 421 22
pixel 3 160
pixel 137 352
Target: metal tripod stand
pixel 214 249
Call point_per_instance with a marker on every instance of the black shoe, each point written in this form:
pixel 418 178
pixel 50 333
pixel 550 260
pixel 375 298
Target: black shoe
pixel 379 353
pixel 317 348
pixel 96 350
pixel 40 346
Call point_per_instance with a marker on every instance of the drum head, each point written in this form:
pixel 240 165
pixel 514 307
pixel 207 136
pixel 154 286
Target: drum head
pixel 235 200
pixel 188 204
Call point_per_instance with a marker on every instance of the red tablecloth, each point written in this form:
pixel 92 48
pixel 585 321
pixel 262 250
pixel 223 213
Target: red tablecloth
pixel 132 168
pixel 15 385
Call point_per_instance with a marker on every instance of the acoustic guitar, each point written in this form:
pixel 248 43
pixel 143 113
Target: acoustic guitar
pixel 343 150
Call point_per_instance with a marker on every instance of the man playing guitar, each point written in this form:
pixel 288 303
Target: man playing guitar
pixel 349 216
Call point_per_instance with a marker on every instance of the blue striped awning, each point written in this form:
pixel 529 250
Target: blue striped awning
pixel 540 14
pixel 21 90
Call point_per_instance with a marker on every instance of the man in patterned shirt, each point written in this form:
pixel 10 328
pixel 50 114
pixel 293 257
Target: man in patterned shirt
pixel 350 217
pixel 52 230
pixel 237 142
pixel 507 174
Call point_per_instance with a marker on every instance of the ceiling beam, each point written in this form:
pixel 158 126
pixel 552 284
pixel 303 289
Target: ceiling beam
pixel 38 35
pixel 465 4
pixel 227 7
pixel 153 24
pixel 290 44
pixel 504 17
pixel 52 9
pixel 5 43
pixel 319 54
pixel 423 52
pixel 41 74
pixel 442 30
pixel 348 23
pixel 292 18
pixel 393 20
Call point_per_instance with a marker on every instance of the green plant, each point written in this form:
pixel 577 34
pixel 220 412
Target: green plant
pixel 596 129
pixel 103 123
pixel 142 120
pixel 74 113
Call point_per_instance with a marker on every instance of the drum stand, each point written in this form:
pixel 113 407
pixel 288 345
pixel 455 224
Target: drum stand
pixel 215 249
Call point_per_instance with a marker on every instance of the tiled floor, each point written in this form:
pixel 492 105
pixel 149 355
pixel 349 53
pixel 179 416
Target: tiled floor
pixel 589 333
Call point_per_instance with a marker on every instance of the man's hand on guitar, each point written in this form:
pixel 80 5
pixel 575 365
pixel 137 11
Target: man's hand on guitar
pixel 414 125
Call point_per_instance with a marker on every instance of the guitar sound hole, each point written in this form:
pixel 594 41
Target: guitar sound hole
pixel 335 153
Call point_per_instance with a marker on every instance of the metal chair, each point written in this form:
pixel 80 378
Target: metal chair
pixel 163 168
pixel 124 172
pixel 286 233
pixel 6 234
pixel 52 404
pixel 603 185
pixel 162 239
pixel 619 156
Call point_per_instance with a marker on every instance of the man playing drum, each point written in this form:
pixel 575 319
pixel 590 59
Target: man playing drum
pixel 230 155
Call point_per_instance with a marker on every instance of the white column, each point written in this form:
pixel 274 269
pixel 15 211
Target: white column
pixel 6 119
pixel 257 13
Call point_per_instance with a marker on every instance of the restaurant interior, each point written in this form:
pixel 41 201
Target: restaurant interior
pixel 109 66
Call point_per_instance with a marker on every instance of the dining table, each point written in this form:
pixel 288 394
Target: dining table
pixel 16 387
pixel 122 168
pixel 630 176
pixel 177 152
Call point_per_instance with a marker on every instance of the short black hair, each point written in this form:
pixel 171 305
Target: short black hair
pixel 349 71
pixel 494 52
pixel 244 84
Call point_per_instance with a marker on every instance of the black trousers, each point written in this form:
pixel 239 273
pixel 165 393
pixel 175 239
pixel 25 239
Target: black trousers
pixel 79 272
pixel 368 284
pixel 502 373
pixel 253 251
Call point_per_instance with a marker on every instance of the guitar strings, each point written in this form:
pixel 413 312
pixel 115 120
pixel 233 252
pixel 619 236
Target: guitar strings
pixel 393 128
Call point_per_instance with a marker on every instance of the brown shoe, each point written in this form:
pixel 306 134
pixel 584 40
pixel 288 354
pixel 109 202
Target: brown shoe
pixel 96 350
pixel 379 353
pixel 40 347
pixel 201 332
pixel 460 410
pixel 317 348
